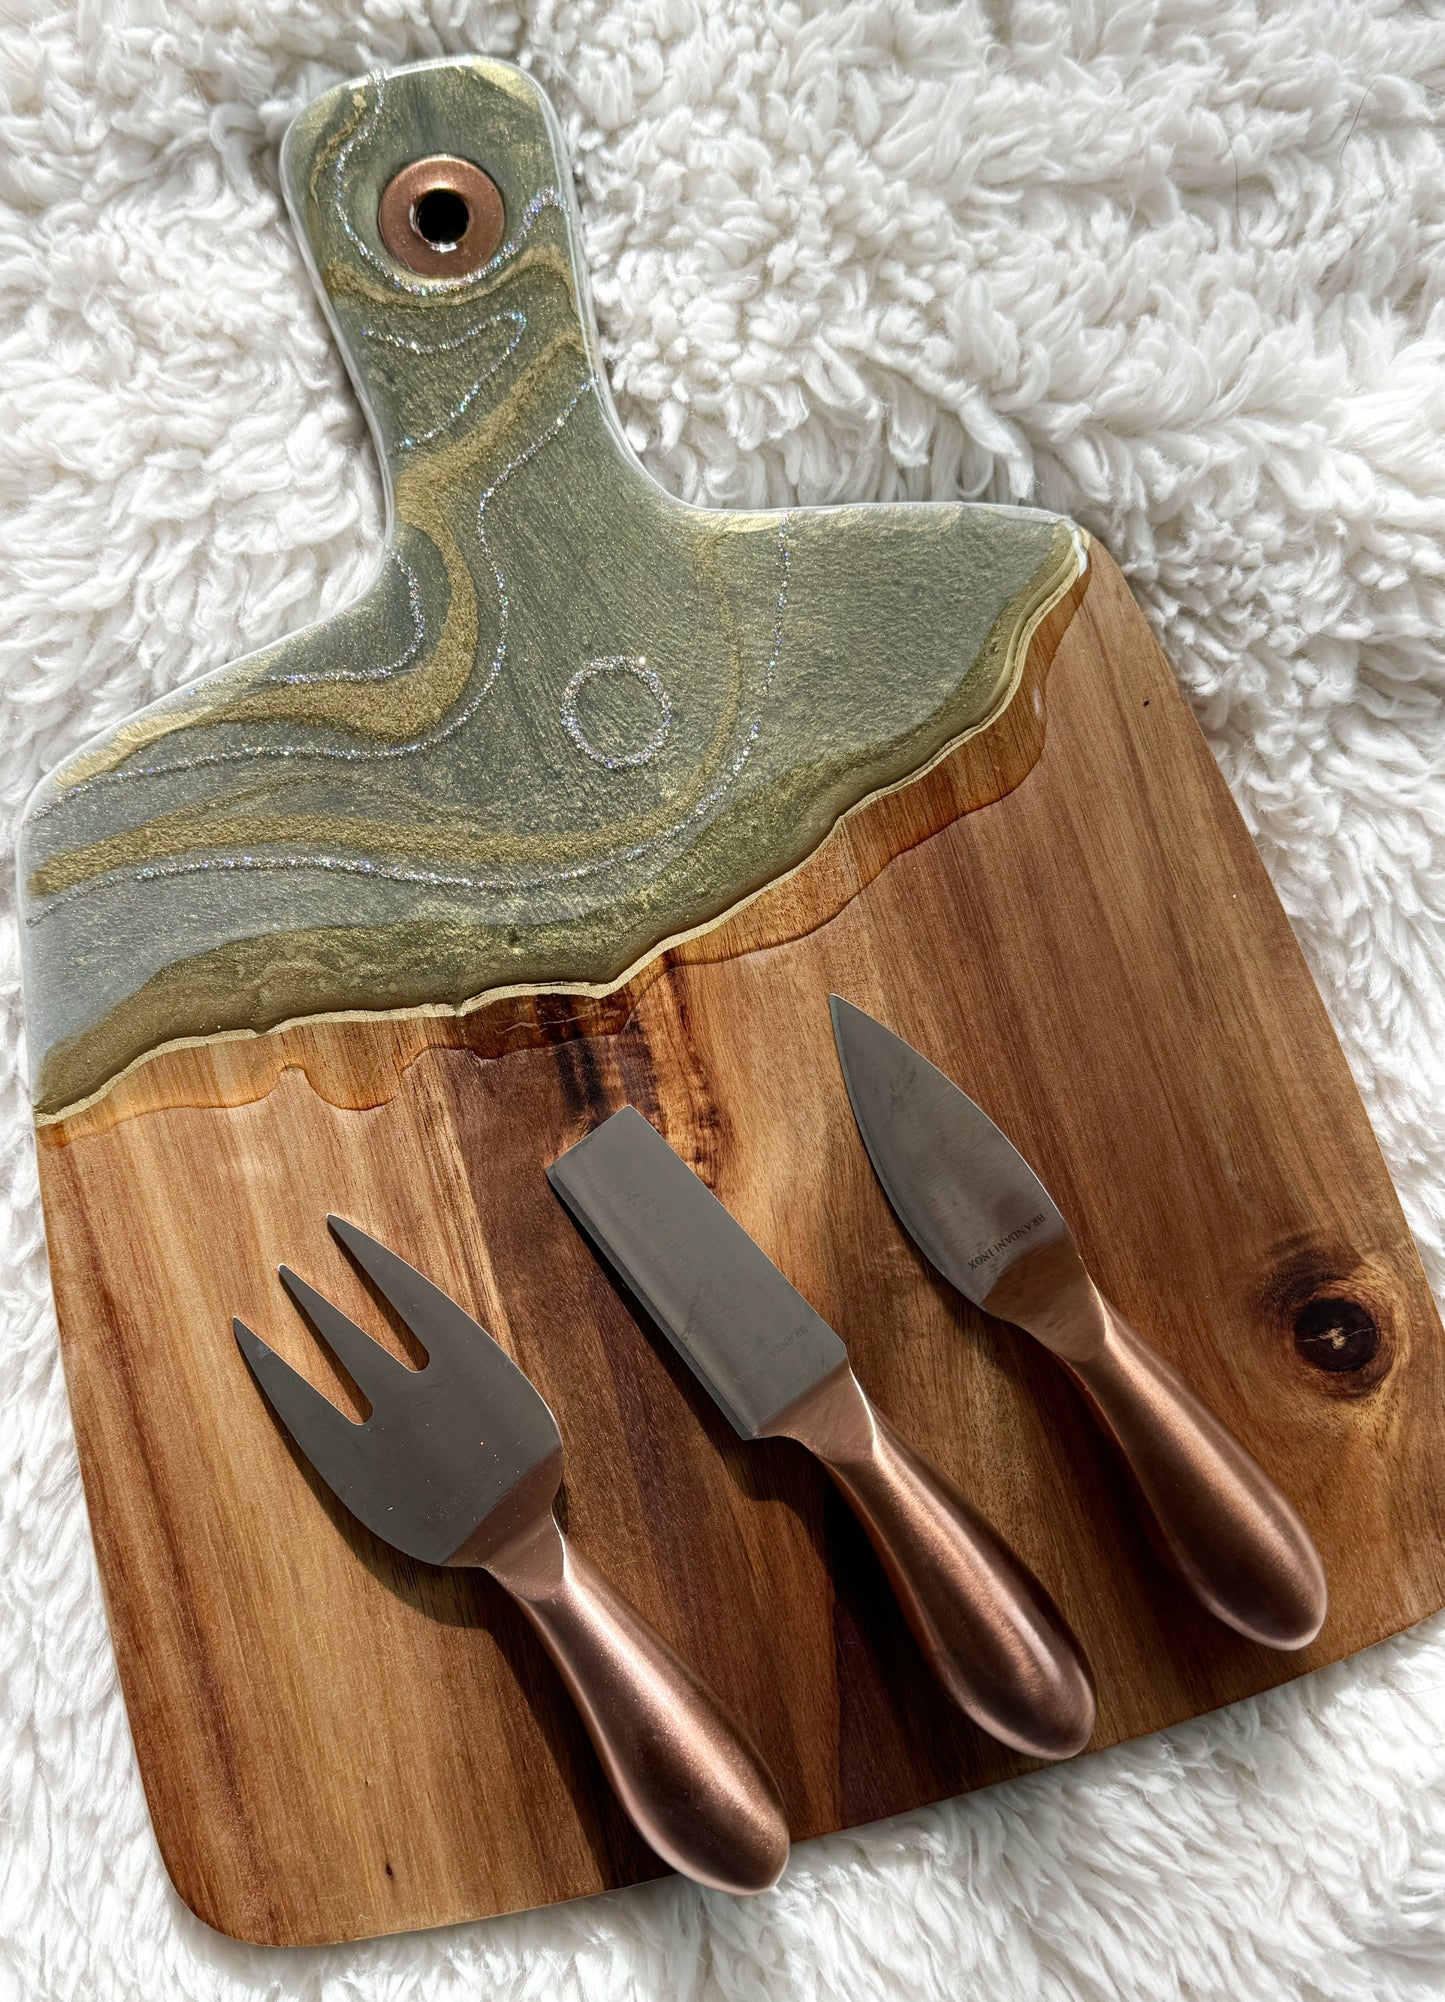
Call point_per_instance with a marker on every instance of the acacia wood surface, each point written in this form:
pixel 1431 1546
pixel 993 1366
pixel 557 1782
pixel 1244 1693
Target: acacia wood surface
pixel 336 1741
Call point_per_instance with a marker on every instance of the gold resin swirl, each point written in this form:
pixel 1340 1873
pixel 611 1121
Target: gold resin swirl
pixel 572 717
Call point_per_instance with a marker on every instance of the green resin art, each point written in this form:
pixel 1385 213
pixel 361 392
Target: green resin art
pixel 572 718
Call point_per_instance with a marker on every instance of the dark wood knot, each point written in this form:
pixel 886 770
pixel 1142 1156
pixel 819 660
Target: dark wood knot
pixel 1335 1305
pixel 1336 1335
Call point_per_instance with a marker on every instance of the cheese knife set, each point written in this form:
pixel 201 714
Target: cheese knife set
pixel 480 939
pixel 459 1462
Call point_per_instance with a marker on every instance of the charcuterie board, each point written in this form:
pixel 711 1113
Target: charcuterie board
pixel 594 799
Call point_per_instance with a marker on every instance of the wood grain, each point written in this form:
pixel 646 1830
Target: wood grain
pixel 337 1742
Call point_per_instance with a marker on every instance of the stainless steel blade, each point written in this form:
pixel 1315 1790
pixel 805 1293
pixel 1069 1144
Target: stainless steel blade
pixel 961 1188
pixel 750 1336
pixel 443 1446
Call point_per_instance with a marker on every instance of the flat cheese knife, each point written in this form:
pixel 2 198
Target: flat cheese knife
pixel 992 1634
pixel 977 1211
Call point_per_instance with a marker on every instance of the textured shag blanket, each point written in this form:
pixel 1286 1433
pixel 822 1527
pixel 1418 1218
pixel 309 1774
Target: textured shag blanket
pixel 1175 269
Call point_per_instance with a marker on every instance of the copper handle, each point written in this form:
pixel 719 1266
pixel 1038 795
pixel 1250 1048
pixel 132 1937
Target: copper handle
pixel 692 1784
pixel 1227 1528
pixel 993 1636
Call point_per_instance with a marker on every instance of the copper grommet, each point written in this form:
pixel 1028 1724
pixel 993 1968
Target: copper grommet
pixel 441 217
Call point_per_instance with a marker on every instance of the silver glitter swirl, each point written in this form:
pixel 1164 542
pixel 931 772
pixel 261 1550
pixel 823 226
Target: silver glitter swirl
pixel 385 672
pixel 517 320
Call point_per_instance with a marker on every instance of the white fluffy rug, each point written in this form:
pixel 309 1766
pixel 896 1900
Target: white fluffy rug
pixel 1176 269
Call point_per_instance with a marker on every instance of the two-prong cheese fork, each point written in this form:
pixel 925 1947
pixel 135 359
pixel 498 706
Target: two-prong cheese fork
pixel 459 1463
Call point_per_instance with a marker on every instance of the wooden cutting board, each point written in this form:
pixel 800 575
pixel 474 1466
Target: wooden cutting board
pixel 1064 911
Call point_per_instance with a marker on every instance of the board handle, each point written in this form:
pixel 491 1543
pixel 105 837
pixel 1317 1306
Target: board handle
pixel 1227 1528
pixel 991 1633
pixel 696 1790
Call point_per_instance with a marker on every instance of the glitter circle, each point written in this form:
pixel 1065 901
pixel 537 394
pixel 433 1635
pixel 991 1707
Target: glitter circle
pixel 617 663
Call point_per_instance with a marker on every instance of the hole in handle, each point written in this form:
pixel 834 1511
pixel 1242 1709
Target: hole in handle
pixel 441 217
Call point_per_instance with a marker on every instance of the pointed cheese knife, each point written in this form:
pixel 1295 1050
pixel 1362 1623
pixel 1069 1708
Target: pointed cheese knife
pixel 992 1634
pixel 978 1211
